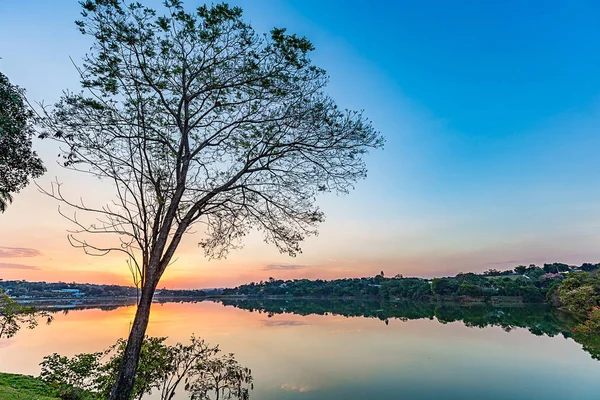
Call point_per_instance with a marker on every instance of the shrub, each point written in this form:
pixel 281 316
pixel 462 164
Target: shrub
pixel 161 367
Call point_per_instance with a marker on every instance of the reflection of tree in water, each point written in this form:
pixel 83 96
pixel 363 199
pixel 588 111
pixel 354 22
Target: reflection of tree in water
pixel 539 320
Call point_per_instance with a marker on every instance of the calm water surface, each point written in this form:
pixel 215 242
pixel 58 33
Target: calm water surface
pixel 374 355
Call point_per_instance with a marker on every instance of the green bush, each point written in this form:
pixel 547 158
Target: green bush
pixel 468 289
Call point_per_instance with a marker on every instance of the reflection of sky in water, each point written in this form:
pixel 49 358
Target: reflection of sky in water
pixel 333 357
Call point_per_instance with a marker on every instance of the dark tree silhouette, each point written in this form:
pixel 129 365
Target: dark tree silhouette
pixel 18 162
pixel 195 118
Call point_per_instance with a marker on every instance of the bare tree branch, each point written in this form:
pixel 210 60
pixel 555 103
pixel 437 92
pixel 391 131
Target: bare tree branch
pixel 194 118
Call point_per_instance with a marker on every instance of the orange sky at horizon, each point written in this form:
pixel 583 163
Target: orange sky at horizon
pixel 36 248
pixel 347 246
pixel 191 270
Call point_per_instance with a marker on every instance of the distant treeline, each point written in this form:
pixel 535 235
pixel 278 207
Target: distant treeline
pixel 531 284
pixel 25 289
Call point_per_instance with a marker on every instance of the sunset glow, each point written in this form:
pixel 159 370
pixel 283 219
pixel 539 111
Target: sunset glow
pixel 468 180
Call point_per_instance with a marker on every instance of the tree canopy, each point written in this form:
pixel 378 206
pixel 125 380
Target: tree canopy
pixel 194 117
pixel 18 162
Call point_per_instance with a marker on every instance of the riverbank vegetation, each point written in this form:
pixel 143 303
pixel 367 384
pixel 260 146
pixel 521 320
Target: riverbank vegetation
pixel 22 387
pixel 580 294
pixel 195 368
pixel 529 284
pixel 573 311
pixel 14 316
pixel 25 290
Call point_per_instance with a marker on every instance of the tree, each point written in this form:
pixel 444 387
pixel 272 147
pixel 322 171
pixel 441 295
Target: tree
pixel 5 200
pixel 154 365
pixel 13 316
pixel 185 365
pixel 80 373
pixel 195 118
pixel 521 269
pixel 579 292
pixel 444 286
pixel 18 162
pixel 588 267
pixel 469 289
pixel 195 366
pixel 556 267
pixel 223 376
pixel 492 272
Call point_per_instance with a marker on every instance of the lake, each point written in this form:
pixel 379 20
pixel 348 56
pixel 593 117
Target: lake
pixel 351 350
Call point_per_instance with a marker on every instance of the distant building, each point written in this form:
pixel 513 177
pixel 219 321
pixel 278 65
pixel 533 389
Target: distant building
pixel 74 292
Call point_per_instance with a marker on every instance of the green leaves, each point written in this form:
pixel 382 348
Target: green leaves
pixel 18 162
pixel 163 23
pixel 162 368
pixel 80 371
pixel 193 116
pixel 579 292
pixel 13 316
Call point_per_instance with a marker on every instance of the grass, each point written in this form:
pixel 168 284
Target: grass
pixel 21 387
pixel 8 393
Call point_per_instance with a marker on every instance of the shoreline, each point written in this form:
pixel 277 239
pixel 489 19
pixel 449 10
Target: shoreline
pixel 109 302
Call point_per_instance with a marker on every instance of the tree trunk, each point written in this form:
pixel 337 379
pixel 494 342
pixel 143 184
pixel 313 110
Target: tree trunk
pixel 125 380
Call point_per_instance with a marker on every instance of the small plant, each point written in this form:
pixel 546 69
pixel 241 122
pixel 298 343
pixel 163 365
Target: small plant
pixel 13 316
pixel 592 325
pixel 195 366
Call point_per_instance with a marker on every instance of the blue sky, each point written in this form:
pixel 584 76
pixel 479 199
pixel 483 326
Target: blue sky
pixel 491 112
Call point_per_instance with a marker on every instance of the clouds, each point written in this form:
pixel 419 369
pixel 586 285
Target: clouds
pixel 18 266
pixel 284 267
pixel 18 252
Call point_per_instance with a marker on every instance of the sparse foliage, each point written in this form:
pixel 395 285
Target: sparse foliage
pixel 196 368
pixel 197 119
pixel 13 316
pixel 184 366
pixel 224 377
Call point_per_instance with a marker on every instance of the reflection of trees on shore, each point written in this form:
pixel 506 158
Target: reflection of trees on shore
pixel 538 320
pixel 103 305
